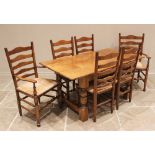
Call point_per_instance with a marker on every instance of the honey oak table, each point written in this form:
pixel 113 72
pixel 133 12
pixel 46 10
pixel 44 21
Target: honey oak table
pixel 79 67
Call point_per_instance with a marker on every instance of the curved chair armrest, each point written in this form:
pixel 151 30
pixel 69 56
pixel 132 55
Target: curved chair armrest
pixel 141 57
pixel 26 79
pixel 147 56
pixel 41 67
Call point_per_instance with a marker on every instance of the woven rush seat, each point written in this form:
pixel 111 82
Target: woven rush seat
pixel 125 79
pixel 140 65
pixel 100 90
pixel 42 86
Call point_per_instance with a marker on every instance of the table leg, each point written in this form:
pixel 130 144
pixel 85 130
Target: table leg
pixel 83 111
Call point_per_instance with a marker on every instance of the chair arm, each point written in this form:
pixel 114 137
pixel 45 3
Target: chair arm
pixel 141 57
pixel 26 79
pixel 41 67
pixel 148 57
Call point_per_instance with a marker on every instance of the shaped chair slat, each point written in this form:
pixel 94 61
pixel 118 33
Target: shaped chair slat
pixel 62 42
pixel 84 39
pixel 21 57
pixel 63 49
pixel 22 64
pixel 84 45
pixel 131 37
pixel 18 50
pixel 84 50
pixel 24 70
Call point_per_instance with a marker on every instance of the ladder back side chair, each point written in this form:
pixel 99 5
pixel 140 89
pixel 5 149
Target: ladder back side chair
pixel 84 44
pixel 127 67
pixel 27 84
pixel 63 48
pixel 106 68
pixel 142 67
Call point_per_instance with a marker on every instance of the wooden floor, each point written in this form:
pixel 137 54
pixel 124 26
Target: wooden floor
pixel 137 115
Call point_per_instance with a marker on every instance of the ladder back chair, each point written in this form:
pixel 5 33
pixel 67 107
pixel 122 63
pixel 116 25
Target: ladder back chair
pixel 127 67
pixel 63 48
pixel 84 44
pixel 24 72
pixel 142 67
pixel 106 68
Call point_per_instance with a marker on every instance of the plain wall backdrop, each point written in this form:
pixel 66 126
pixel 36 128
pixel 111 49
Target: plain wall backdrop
pixel 106 36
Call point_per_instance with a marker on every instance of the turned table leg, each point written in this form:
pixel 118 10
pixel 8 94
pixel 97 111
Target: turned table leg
pixel 83 111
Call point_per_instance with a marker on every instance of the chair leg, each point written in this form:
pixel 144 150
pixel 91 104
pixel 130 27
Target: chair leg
pixel 117 96
pixel 19 103
pixel 74 85
pixel 138 76
pixel 36 101
pixel 130 94
pixel 57 79
pixel 67 85
pixel 78 97
pixel 113 99
pixel 145 81
pixel 94 107
pixel 111 106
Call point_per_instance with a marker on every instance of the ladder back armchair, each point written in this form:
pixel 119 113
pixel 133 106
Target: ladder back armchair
pixel 142 67
pixel 24 73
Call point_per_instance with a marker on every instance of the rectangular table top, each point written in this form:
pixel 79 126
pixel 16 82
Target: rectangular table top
pixel 74 67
